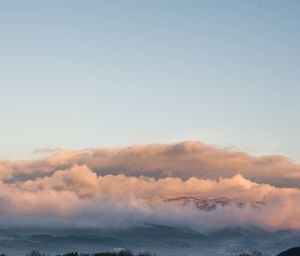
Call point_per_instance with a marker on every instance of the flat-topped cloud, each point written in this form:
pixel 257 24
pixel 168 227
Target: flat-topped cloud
pixel 46 150
pixel 183 160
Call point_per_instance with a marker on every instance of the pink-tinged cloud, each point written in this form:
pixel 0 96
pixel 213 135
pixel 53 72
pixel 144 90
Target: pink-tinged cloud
pixel 183 160
pixel 189 183
pixel 79 194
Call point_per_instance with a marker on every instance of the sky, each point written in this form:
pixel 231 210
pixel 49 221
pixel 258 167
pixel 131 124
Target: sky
pixel 82 74
pixel 113 111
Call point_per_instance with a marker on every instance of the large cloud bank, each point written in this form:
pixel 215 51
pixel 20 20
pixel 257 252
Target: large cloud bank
pixel 153 183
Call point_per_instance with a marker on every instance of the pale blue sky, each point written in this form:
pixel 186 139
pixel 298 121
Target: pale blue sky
pixel 109 73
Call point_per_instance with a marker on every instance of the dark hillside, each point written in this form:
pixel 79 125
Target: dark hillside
pixel 291 252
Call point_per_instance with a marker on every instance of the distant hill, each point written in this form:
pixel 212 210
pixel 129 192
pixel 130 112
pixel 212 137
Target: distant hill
pixel 291 252
pixel 157 239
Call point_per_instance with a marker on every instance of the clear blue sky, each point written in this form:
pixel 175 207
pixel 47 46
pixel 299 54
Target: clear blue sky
pixel 109 73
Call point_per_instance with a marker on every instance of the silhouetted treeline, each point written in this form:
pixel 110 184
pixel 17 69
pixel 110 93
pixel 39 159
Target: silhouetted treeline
pixel 120 253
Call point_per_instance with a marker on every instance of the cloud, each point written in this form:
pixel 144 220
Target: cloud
pixel 78 196
pixel 190 183
pixel 183 160
pixel 46 150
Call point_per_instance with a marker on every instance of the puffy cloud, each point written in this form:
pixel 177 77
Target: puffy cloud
pixel 183 160
pixel 79 195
